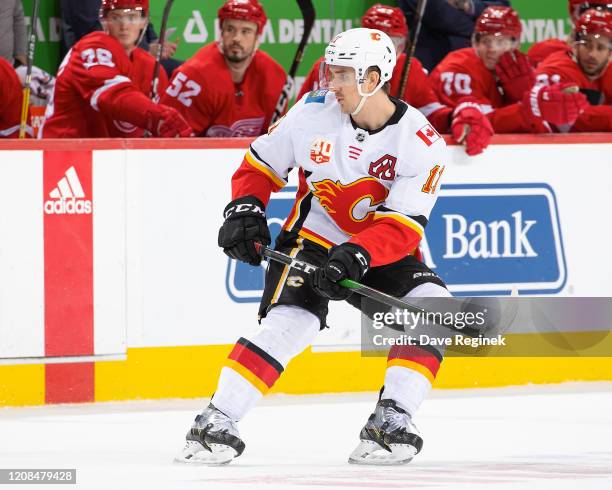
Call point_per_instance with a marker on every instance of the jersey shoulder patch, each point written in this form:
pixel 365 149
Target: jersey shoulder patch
pixel 428 135
pixel 317 96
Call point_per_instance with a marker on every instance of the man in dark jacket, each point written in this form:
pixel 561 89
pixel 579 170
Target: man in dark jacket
pixel 447 25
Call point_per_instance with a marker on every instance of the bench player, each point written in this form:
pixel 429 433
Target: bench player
pixel 229 88
pixel 500 78
pixel 98 89
pixel 539 51
pixel 587 66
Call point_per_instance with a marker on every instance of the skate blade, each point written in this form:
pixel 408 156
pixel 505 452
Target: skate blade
pixel 219 455
pixel 371 453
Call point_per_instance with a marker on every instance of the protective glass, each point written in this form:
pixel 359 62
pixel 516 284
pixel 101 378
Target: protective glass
pixel 129 17
pixel 594 42
pixel 400 44
pixel 587 6
pixel 498 43
pixel 333 76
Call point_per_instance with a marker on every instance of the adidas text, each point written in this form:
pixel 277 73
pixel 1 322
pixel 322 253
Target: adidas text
pixel 68 206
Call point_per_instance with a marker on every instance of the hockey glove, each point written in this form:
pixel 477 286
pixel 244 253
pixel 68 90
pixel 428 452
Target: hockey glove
pixel 127 104
pixel 515 74
pixel 41 83
pixel 167 122
pixel 471 127
pixel 346 261
pixel 558 104
pixel 245 223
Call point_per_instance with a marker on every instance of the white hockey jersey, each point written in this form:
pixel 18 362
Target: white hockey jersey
pixel 373 188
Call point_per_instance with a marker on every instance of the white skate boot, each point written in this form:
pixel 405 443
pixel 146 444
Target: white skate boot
pixel 212 440
pixel 388 438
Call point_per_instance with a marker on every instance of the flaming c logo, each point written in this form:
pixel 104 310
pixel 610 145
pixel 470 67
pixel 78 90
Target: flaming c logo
pixel 352 205
pixel 375 36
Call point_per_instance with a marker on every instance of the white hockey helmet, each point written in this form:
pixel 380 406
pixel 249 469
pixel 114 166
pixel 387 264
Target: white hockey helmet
pixel 360 49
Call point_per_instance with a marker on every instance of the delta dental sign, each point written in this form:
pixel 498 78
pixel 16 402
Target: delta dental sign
pixel 281 31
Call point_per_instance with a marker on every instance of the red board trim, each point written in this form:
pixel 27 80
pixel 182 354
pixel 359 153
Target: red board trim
pixel 243 143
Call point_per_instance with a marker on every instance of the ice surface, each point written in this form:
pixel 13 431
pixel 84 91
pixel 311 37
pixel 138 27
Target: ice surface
pixel 537 437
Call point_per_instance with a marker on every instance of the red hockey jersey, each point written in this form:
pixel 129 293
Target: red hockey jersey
pixel 539 51
pixel 462 73
pixel 141 74
pixel 94 71
pixel 562 67
pixel 10 101
pixel 203 91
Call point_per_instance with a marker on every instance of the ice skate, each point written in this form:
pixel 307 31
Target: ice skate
pixel 212 440
pixel 388 438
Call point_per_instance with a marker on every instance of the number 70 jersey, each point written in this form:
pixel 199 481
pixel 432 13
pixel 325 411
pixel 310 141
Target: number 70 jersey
pixel 373 188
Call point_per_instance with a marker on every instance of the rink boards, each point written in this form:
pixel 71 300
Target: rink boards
pixel 113 286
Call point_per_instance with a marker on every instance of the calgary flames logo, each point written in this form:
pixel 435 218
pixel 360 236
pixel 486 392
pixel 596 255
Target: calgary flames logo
pixel 352 205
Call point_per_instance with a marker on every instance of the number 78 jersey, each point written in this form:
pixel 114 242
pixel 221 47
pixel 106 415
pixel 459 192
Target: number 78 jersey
pixel 376 188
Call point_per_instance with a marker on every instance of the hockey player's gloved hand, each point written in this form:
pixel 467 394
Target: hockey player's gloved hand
pixel 515 74
pixel 167 122
pixel 471 127
pixel 345 261
pixel 41 83
pixel 558 104
pixel 245 223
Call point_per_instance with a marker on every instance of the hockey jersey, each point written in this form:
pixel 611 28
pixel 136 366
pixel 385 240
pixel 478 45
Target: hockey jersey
pixel 10 101
pixel 418 91
pixel 541 50
pixel 141 74
pixel 462 73
pixel 562 67
pixel 95 70
pixel 203 91
pixel 373 188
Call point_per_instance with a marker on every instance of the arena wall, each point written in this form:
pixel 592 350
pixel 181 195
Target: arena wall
pixel 113 287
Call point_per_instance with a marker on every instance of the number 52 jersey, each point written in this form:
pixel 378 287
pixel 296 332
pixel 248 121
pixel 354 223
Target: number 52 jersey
pixel 373 188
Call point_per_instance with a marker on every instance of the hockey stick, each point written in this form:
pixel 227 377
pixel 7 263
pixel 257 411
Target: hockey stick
pixel 25 102
pixel 154 95
pixel 362 289
pixel 308 14
pixel 418 21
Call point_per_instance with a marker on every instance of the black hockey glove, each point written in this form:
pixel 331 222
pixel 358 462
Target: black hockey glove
pixel 245 223
pixel 346 261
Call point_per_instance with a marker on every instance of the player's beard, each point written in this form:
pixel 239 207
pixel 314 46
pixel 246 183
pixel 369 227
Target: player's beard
pixel 593 69
pixel 238 56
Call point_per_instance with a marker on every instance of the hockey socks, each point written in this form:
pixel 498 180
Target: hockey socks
pixel 254 364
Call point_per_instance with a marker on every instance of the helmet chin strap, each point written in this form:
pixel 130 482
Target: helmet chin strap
pixel 360 105
pixel 364 97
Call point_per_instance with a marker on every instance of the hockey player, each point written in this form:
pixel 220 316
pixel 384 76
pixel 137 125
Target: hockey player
pixel 229 88
pixel 588 67
pixel 369 171
pixel 418 92
pixel 99 90
pixel 10 101
pixel 539 51
pixel 500 78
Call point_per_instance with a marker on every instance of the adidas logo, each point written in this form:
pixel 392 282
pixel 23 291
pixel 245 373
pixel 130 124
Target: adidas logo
pixel 68 197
